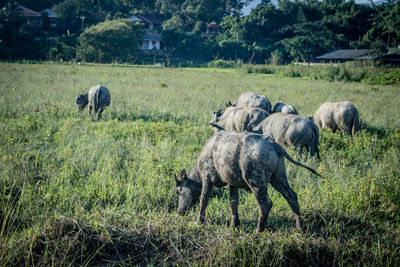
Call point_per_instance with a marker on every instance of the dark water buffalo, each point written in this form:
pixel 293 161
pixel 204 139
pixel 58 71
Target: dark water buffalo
pixel 97 98
pixel 291 130
pixel 253 100
pixel 284 108
pixel 239 119
pixel 240 160
pixel 338 115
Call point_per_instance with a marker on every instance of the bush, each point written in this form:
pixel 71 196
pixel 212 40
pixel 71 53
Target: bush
pixel 220 63
pixel 63 48
pixel 114 40
pixel 392 77
pixel 276 58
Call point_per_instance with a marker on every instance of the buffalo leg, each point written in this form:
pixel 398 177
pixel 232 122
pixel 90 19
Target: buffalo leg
pixel 99 113
pixel 279 182
pixel 205 191
pixel 234 202
pixel 259 187
pixel 264 206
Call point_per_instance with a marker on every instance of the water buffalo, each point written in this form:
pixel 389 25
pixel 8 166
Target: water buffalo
pixel 284 108
pixel 253 100
pixel 239 119
pixel 292 130
pixel 98 98
pixel 338 115
pixel 240 160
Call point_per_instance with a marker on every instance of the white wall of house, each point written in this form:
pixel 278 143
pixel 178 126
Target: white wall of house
pixel 150 45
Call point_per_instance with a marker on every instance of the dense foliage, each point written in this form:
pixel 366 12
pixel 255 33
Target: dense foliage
pixel 290 31
pixel 79 192
pixel 114 40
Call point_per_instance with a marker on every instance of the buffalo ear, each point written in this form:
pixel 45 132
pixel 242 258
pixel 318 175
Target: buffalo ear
pixel 216 126
pixel 182 175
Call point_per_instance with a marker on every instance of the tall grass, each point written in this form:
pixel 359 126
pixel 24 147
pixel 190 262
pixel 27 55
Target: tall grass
pixel 76 191
pixel 347 72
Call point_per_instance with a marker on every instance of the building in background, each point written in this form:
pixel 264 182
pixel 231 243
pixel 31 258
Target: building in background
pixel 342 55
pixel 152 40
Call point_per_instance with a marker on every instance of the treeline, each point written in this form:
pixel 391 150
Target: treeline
pixel 292 31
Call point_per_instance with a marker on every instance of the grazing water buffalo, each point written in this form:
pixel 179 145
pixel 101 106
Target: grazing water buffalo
pixel 97 98
pixel 284 108
pixel 292 130
pixel 338 115
pixel 253 100
pixel 240 160
pixel 239 119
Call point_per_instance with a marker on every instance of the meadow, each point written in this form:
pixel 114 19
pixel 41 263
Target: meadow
pixel 74 191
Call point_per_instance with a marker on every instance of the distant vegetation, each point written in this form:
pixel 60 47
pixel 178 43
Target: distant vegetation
pixel 348 72
pixel 291 31
pixel 79 192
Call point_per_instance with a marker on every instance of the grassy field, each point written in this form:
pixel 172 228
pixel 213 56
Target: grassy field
pixel 78 192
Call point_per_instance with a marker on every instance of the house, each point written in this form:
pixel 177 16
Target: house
pixel 32 18
pixel 51 15
pixel 342 55
pixel 392 59
pixel 152 39
pixel 212 29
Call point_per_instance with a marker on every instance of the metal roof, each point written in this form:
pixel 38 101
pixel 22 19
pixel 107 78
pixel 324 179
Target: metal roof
pixel 26 12
pixel 49 12
pixel 152 35
pixel 395 57
pixel 145 18
pixel 345 54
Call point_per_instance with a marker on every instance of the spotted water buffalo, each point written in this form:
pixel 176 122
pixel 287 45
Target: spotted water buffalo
pixel 240 160
pixel 239 119
pixel 97 99
pixel 338 115
pixel 253 100
pixel 291 130
pixel 284 108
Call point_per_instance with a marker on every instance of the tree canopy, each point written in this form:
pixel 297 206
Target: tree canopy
pixel 113 40
pixel 291 30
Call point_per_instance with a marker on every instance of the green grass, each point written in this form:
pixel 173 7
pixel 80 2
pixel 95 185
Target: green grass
pixel 75 191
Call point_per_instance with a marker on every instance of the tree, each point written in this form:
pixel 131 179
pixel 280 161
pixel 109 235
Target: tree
pixel 114 40
pixel 385 26
pixel 14 44
pixel 34 4
pixel 302 48
pixel 11 20
pixel 77 13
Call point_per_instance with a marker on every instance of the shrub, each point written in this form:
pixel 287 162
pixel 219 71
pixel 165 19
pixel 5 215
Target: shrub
pixel 220 63
pixel 276 58
pixel 114 40
pixel 392 77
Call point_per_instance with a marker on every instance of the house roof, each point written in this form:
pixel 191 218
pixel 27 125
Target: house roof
pixel 345 54
pixel 152 35
pixel 213 24
pixel 48 10
pixel 147 18
pixel 26 12
pixel 395 57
